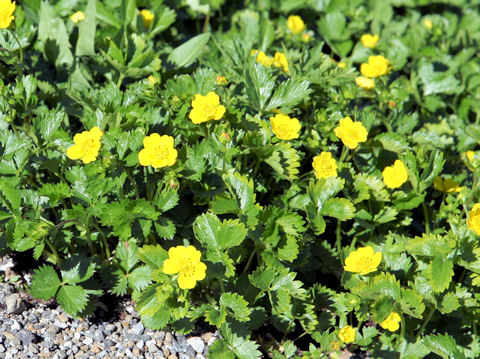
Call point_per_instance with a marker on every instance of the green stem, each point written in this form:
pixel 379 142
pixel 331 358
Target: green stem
pixel 339 240
pixel 104 240
pixel 53 249
pixel 249 262
pixel 402 332
pixel 133 182
pixel 207 22
pixel 121 77
pixel 19 45
pixel 427 218
pixel 425 322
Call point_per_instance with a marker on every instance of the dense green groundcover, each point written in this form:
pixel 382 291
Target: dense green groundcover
pixel 287 250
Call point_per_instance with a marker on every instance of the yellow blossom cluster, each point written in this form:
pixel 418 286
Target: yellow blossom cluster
pixel 375 67
pixel 158 151
pixel 206 108
pixel 295 24
pixel 369 40
pixel 473 221
pixel 347 334
pixel 395 176
pixel 324 165
pixel 392 322
pixel 351 133
pixel 279 60
pixel 147 17
pixel 86 147
pixel 77 17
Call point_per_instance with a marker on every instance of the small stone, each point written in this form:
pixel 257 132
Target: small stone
pixel 15 325
pixel 75 349
pixel 200 356
pixel 108 343
pixel 136 352
pixel 98 336
pixel 140 344
pixel 62 318
pixel 26 337
pixel 14 304
pixel 95 349
pixel 166 352
pixel 109 328
pixel 2 348
pixel 151 346
pixel 197 344
pixel 88 341
pixel 168 339
pixel 138 328
pixel 32 348
pixel 172 356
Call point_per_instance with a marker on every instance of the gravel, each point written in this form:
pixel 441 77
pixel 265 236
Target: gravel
pixel 36 329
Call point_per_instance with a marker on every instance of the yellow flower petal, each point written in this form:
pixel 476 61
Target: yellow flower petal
pixel 74 152
pixel 170 266
pixel 186 282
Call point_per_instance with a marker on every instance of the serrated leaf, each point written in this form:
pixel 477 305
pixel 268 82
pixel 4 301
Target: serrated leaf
pixel 216 316
pixel 77 269
pixel 140 278
pixel 186 54
pixel 340 208
pixel 434 168
pixel 126 254
pixel 393 142
pixel 86 32
pixel 440 273
pixel 242 187
pixel 288 94
pixel 166 200
pixel 449 303
pixel 213 233
pixel 153 256
pixel 260 85
pixel 120 282
pixel 72 298
pixel 289 251
pixel 443 345
pixel 262 279
pixel 236 305
pixel 45 283
pixel 165 228
pixel 285 161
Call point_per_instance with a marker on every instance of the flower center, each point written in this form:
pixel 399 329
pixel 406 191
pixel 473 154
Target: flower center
pixel 208 109
pixel 88 145
pixel 162 152
pixel 365 263
pixel 187 268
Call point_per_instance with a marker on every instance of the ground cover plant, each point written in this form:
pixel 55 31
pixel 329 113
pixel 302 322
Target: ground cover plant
pixel 304 168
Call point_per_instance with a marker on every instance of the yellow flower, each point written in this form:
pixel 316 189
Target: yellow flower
pixel 363 261
pixel 347 334
pixel 473 221
pixel 284 127
pixel 376 66
pixel 369 40
pixel 221 80
pixel 396 175
pixel 158 151
pixel 147 17
pixel 264 59
pixel 351 133
pixel 86 145
pixel 324 165
pixel 470 154
pixel 342 64
pixel 206 108
pixel 186 262
pixel 428 24
pixel 391 322
pixel 306 37
pixel 7 8
pixel 365 83
pixel 447 185
pixel 77 17
pixel 152 80
pixel 295 24
pixel 280 60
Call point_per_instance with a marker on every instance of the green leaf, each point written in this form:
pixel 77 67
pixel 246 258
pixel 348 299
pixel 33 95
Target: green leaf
pixel 45 282
pixel 260 84
pixel 86 32
pixel 236 305
pixel 140 277
pixel 285 161
pixel 340 208
pixel 153 256
pixel 166 200
pixel 440 273
pixel 434 168
pixel 449 303
pixel 393 142
pixel 412 303
pixel 443 345
pixel 77 269
pixel 220 349
pixel 126 254
pixel 72 298
pixel 242 187
pixel 216 316
pixel 213 233
pixel 262 279
pixel 164 18
pixel 288 94
pixel 120 282
pixel 165 228
pixel 289 251
pixel 186 54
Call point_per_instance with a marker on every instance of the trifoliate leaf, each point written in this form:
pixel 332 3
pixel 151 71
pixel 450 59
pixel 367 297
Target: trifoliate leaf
pixel 45 282
pixel 72 298
pixel 440 273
